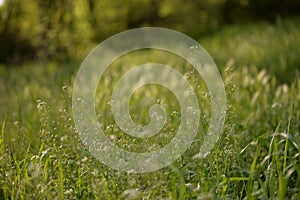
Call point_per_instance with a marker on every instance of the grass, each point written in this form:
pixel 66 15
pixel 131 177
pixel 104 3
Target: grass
pixel 273 47
pixel 257 157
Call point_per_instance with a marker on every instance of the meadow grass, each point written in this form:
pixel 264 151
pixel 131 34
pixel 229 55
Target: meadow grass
pixel 257 156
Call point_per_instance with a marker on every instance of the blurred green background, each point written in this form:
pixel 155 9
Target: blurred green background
pixel 66 30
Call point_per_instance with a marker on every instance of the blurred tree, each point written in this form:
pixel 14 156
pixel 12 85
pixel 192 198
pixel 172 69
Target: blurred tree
pixel 56 23
pixel 14 45
pixel 64 30
pixel 234 11
pixel 143 13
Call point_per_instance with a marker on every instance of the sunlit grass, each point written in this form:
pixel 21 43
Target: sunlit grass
pixel 273 47
pixel 257 157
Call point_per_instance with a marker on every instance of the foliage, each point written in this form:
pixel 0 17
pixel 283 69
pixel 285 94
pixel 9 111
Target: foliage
pixel 64 30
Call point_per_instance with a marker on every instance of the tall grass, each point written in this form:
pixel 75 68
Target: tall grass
pixel 273 47
pixel 257 157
